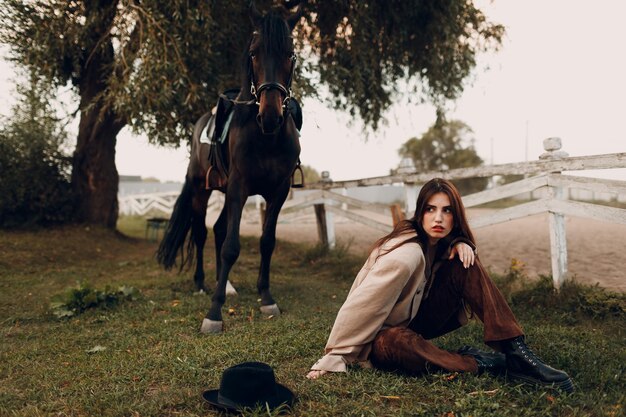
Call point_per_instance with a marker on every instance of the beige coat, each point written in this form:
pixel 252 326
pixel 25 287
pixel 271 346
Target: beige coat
pixel 386 292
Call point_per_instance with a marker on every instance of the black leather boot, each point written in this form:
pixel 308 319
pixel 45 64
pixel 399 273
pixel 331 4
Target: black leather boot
pixel 524 365
pixel 492 362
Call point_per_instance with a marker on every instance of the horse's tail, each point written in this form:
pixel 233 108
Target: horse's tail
pixel 177 230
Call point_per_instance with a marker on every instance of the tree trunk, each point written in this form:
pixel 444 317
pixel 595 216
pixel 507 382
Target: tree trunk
pixel 94 175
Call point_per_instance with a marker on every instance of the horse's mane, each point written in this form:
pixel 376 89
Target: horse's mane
pixel 274 28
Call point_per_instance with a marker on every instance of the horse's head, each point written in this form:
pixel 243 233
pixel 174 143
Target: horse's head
pixel 271 65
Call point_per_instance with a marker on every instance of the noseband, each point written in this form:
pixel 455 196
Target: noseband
pixel 284 91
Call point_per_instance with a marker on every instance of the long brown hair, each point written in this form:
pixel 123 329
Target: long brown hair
pixel 436 185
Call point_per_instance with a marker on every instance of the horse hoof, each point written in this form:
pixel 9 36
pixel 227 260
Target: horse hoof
pixel 211 326
pixel 230 290
pixel 199 292
pixel 270 310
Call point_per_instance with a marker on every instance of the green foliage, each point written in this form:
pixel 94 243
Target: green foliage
pixel 322 253
pixel 369 51
pixel 162 63
pixel 512 280
pixel 83 297
pixel 595 301
pixel 35 171
pixel 310 174
pixel 446 145
pixel 571 299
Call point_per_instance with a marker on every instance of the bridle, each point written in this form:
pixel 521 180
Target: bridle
pixel 284 91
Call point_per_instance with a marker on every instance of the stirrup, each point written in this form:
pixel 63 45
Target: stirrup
pixel 299 184
pixel 215 180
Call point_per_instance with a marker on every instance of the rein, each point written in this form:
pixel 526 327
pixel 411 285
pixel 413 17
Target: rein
pixel 239 102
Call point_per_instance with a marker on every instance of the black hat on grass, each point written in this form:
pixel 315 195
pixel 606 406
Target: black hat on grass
pixel 249 385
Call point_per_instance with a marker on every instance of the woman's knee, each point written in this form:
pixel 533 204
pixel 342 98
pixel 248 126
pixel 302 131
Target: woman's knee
pixel 384 340
pixel 393 350
pixel 388 335
pixel 387 342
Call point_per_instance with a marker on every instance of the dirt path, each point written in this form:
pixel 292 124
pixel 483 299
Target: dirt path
pixel 596 250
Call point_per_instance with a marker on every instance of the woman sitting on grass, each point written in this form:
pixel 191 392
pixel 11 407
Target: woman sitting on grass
pixel 412 288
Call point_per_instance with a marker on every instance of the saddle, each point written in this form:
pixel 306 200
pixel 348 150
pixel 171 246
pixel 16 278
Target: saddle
pixel 215 134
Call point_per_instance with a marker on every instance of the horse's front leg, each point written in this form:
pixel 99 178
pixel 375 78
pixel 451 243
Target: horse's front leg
pixel 228 256
pixel 198 234
pixel 267 244
pixel 219 231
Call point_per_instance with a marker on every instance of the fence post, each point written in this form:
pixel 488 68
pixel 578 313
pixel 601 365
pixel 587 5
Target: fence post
pixel 260 205
pixel 558 241
pixel 325 226
pixel 410 195
pixel 397 215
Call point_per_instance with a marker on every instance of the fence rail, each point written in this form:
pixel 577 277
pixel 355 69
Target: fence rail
pixel 605 161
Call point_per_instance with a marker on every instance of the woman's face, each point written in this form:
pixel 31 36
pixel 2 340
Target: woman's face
pixel 438 219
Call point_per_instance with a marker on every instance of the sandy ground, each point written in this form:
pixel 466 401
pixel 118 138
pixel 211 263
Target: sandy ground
pixel 596 250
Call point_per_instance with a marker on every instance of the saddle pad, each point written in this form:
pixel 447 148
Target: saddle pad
pixel 209 130
pixel 204 136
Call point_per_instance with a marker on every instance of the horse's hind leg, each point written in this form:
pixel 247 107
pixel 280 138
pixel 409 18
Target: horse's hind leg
pixel 199 234
pixel 267 244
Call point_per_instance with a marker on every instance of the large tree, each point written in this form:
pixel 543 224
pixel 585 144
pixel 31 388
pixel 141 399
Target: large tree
pixel 156 65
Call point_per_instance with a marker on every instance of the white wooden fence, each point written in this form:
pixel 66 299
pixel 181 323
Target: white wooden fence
pixel 158 204
pixel 543 177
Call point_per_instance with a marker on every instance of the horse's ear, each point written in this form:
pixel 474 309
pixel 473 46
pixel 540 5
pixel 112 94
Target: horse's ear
pixel 255 14
pixel 293 19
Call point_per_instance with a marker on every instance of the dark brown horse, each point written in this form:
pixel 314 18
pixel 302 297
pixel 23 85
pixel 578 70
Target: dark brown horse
pixel 259 157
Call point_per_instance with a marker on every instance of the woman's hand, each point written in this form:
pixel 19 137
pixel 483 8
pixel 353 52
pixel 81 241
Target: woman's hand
pixel 465 252
pixel 315 374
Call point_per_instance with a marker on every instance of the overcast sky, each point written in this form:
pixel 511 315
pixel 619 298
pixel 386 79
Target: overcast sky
pixel 560 72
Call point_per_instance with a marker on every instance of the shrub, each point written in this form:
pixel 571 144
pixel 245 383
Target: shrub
pixel 35 184
pixel 572 299
pixel 83 297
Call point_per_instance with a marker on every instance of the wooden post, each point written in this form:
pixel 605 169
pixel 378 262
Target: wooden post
pixel 410 192
pixel 558 241
pixel 397 214
pixel 325 226
pixel 261 206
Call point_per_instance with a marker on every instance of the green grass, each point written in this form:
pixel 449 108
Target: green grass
pixel 150 359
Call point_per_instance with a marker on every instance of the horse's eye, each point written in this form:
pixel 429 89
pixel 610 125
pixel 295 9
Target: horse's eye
pixel 252 55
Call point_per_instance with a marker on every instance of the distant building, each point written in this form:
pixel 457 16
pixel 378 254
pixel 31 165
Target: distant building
pixel 130 178
pixel 406 166
pixel 134 184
